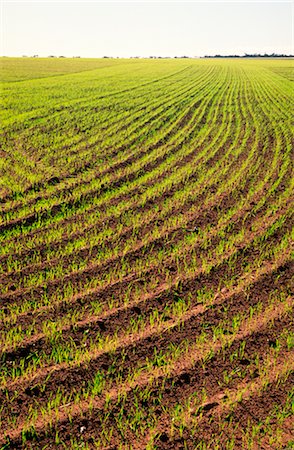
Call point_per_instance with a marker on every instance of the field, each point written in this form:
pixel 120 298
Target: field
pixel 146 254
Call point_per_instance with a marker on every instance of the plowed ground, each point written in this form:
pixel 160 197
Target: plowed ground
pixel 146 254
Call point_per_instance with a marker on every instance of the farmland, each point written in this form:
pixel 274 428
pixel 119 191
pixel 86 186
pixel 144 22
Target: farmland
pixel 146 254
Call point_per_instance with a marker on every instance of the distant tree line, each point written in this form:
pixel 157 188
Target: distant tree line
pixel 252 55
pixel 246 55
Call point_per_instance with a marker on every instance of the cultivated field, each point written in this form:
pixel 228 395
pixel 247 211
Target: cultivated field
pixel 145 252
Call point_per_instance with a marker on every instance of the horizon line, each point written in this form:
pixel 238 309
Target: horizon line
pixel 219 55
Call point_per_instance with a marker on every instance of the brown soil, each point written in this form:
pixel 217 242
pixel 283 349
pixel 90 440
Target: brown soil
pixel 183 382
pixel 136 353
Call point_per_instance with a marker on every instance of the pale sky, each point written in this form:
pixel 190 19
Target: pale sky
pixel 95 29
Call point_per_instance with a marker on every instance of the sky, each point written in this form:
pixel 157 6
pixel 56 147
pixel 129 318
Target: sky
pixel 151 28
